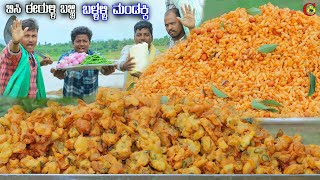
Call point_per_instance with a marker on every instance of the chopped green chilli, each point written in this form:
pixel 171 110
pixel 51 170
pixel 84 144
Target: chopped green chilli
pixel 95 59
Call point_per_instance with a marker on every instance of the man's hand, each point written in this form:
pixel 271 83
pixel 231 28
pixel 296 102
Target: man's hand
pixel 46 61
pixel 128 65
pixel 58 73
pixel 188 17
pixel 17 31
pixel 106 70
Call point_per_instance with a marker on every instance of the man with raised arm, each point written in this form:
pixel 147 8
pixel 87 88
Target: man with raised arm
pixel 20 68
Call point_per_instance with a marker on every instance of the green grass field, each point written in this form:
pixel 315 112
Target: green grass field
pixel 109 55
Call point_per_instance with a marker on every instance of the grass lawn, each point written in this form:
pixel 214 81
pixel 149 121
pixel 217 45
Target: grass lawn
pixel 108 55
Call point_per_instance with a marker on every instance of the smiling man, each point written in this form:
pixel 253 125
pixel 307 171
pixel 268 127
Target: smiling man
pixel 84 82
pixel 20 72
pixel 143 32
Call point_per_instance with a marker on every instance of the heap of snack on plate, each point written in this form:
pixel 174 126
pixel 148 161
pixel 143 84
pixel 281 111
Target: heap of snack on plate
pixel 264 61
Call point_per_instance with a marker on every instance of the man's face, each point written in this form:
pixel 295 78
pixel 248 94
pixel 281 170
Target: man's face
pixel 81 43
pixel 173 26
pixel 29 40
pixel 143 35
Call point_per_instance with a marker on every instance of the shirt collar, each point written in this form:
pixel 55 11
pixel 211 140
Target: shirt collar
pixel 182 38
pixel 90 52
pixel 172 42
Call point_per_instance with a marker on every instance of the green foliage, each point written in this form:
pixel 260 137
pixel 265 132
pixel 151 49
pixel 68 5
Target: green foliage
pixel 109 49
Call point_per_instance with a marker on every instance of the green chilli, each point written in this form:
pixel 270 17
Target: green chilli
pixel 312 84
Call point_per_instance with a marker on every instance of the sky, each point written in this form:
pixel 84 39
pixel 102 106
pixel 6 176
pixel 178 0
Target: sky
pixel 116 27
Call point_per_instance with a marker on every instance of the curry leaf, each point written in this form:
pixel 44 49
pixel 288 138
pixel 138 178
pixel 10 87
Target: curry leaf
pixel 260 106
pixel 254 11
pixel 131 86
pixel 218 93
pixel 257 105
pixel 271 102
pixel 267 48
pixel 273 110
pixel 249 120
pixel 312 84
pixel 164 100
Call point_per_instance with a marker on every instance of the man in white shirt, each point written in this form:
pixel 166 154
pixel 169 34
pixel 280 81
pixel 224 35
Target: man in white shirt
pixel 174 23
pixel 143 32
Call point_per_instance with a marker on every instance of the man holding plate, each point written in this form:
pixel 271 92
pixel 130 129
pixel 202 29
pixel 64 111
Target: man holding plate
pixel 80 83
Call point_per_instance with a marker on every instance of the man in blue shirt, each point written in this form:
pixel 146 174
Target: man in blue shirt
pixel 84 82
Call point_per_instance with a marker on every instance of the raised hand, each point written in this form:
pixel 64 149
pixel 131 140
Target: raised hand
pixel 17 31
pixel 46 61
pixel 188 17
